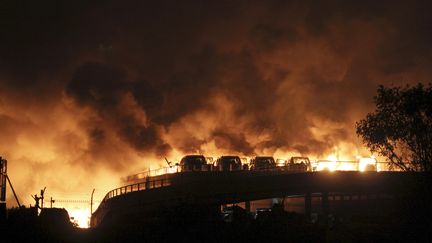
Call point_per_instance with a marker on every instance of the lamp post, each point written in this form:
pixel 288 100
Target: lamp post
pixel 91 204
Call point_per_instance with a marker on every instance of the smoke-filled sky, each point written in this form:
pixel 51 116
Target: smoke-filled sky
pixel 94 90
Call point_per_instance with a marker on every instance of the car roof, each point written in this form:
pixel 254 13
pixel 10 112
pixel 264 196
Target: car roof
pixel 229 157
pixel 194 156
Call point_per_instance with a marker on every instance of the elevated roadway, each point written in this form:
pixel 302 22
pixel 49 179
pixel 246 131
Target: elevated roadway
pixel 217 188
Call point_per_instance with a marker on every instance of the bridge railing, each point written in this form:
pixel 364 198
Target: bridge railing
pixel 345 165
pixel 154 172
pixel 141 186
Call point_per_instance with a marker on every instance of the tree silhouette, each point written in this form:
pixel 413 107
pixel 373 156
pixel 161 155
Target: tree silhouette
pixel 400 128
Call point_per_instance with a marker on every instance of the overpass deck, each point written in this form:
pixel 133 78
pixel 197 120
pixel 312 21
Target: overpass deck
pixel 224 187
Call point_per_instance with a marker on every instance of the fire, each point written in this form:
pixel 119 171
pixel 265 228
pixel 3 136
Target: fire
pixel 347 165
pixel 360 164
pixel 173 169
pixel 367 164
pixel 330 164
pixel 81 217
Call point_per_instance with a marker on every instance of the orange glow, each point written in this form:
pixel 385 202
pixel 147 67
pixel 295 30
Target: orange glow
pixel 81 217
pixel 173 169
pixel 360 164
pixel 347 165
pixel 330 164
pixel 71 129
pixel 280 162
pixel 367 164
pixel 327 165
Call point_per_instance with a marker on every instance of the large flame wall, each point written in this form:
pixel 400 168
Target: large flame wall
pixel 95 91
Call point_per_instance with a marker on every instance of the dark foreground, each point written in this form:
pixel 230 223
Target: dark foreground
pixel 402 219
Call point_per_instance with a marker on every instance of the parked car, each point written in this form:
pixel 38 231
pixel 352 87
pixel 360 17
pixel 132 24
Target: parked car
pixel 299 164
pixel 262 163
pixel 228 163
pixel 193 163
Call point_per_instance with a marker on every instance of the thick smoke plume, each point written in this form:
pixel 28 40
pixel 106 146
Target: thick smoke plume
pixel 93 91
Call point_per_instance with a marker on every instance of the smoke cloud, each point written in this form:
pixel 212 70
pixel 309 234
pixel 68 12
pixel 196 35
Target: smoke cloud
pixel 90 92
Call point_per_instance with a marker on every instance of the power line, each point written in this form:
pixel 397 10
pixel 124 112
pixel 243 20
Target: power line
pixel 75 201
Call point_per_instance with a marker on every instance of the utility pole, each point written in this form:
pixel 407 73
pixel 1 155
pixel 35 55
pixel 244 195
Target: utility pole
pixel 51 202
pixel 42 196
pixel 3 170
pixel 4 178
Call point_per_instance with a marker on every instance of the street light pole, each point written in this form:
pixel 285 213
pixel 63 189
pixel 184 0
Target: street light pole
pixel 91 202
pixel 91 206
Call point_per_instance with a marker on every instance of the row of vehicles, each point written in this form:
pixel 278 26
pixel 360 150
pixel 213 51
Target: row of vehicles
pixel 298 164
pixel 232 163
pixel 235 163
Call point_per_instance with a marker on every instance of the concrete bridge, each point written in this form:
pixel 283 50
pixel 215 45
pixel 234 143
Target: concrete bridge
pixel 215 188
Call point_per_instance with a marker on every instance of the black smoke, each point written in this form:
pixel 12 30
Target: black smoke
pixel 246 76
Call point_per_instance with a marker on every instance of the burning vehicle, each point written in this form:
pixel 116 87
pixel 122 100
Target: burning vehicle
pixel 262 163
pixel 228 163
pixel 193 163
pixel 300 164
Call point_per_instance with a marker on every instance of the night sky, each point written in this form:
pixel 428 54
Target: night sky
pixel 94 90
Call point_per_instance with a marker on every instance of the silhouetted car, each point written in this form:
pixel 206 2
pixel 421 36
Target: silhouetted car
pixel 299 164
pixel 193 163
pixel 228 163
pixel 262 163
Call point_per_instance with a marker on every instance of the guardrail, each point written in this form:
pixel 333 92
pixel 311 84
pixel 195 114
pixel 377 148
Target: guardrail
pixel 155 172
pixel 342 165
pixel 142 186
